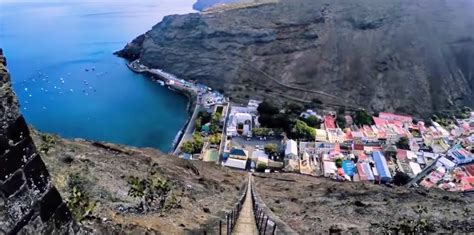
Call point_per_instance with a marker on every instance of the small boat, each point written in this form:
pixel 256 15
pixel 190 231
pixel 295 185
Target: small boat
pixel 161 82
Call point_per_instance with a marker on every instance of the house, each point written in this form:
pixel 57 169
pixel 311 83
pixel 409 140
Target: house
pixel 308 113
pixel 236 163
pixel 448 164
pixel 349 120
pixel 238 154
pixel 394 118
pixel 460 155
pixel 415 168
pixel 240 124
pixel 364 172
pixel 329 122
pixel 321 135
pixel 358 137
pixel 253 104
pixel 382 167
pixel 260 157
pixel 291 149
pixel 329 168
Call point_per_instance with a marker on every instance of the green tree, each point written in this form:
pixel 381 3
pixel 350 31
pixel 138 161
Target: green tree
pixel 341 121
pixel 215 139
pixel 362 117
pixel 261 167
pixel 267 108
pixel 204 116
pixel 403 143
pixel 215 121
pixel 198 143
pixel 313 121
pixel 303 131
pixel 401 178
pixel 294 108
pixel 198 124
pixel 187 147
pixel 271 149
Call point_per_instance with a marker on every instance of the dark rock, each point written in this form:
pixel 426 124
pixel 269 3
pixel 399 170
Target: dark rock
pixel 205 209
pixel 37 175
pixel 24 208
pixel 359 204
pixel 384 56
pixel 49 203
pixel 13 184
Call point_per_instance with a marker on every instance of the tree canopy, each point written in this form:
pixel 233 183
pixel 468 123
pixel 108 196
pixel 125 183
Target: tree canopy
pixel 303 131
pixel 403 143
pixel 363 117
pixel 271 149
pixel 312 121
pixel 267 108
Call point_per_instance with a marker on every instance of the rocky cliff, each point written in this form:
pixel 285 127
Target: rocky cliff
pixel 405 56
pixel 29 203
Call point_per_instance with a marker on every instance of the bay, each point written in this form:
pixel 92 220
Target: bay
pixel 60 56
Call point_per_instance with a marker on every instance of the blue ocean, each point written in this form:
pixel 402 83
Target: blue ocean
pixel 60 56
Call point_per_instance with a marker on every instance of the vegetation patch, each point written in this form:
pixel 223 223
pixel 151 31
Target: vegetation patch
pixel 48 141
pixel 79 201
pixel 155 192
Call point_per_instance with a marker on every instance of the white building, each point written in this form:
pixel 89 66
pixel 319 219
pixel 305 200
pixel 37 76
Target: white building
pixel 239 124
pixel 291 149
pixel 236 163
pixel 321 135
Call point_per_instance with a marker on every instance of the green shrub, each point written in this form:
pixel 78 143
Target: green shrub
pixel 48 141
pixel 154 191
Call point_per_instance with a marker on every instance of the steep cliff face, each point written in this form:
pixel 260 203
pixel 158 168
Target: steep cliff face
pixel 29 203
pixel 405 56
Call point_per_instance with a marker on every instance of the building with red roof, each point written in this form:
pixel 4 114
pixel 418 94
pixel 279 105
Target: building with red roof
pixel 396 117
pixel 329 122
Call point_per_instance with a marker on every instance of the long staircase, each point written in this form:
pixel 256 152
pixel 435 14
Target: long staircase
pixel 246 224
pixel 249 216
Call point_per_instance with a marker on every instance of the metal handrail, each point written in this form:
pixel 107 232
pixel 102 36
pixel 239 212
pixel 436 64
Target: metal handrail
pixel 228 223
pixel 261 218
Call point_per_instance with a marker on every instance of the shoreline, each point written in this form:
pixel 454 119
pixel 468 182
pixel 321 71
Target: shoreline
pixel 190 95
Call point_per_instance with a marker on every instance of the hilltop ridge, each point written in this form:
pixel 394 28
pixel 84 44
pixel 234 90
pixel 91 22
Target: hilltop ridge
pixel 399 56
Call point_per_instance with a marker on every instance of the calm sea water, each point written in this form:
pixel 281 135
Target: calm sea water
pixel 68 81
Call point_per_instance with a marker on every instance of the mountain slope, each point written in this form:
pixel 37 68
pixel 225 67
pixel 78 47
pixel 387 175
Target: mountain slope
pixel 312 205
pixel 405 56
pixel 191 193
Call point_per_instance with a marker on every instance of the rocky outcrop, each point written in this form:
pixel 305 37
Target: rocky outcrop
pixel 29 203
pixel 404 56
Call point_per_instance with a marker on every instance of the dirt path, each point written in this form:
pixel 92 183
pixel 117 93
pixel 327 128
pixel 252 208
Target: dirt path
pixel 246 224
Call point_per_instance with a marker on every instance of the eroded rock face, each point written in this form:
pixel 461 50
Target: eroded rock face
pixel 29 203
pixel 405 56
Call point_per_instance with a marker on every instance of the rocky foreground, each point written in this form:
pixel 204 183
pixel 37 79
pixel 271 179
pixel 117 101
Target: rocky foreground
pixel 317 205
pixel 403 56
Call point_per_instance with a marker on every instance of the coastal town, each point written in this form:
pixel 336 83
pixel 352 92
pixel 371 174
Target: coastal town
pixel 344 145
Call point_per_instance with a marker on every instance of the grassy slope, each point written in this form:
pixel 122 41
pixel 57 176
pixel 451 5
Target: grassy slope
pixel 104 172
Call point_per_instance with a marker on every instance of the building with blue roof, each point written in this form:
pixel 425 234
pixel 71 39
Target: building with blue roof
pixel 382 167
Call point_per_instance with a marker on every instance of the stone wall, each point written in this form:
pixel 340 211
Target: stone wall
pixel 29 203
